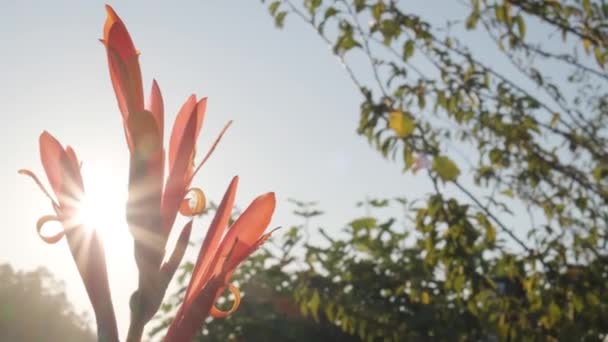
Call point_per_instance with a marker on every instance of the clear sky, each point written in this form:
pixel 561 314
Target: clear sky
pixel 294 108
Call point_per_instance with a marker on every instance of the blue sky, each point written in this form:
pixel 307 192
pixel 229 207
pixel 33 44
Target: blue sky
pixel 294 108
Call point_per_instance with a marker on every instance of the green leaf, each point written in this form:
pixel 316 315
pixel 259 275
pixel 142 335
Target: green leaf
pixel 490 234
pixel 521 26
pixel 312 5
pixel 274 7
pixel 587 7
pixel 377 10
pixel 345 43
pixel 600 171
pixel 314 305
pixel 359 5
pixel 472 21
pixel 280 19
pixel 408 158
pixel 507 192
pixel 599 57
pixel 445 168
pixel 408 49
pixel 401 123
pixel 363 223
pixel 499 13
pixel 330 12
pixel 554 120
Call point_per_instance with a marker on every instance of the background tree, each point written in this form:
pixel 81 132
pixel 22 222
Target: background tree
pixel 511 241
pixel 33 307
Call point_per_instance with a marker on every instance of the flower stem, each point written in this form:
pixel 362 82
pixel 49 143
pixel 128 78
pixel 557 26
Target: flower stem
pixel 136 330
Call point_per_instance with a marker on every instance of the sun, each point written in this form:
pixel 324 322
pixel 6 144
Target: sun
pixel 104 203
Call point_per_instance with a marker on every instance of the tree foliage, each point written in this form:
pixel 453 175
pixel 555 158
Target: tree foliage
pixel 33 307
pixel 511 240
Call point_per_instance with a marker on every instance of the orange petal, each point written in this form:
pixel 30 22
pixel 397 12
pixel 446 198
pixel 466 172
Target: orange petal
pixel 156 107
pixel 179 126
pixel 239 253
pixel 51 155
pixel 115 35
pixel 211 242
pixel 191 316
pixel 73 167
pixel 119 77
pixel 250 226
pixel 88 253
pixel 175 188
pixel 52 238
pixel 169 268
pixel 124 65
pixel 201 108
pixel 200 203
pixel 217 313
pixel 35 178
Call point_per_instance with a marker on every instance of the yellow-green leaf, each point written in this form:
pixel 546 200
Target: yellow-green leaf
pixel 587 45
pixel 314 305
pixel 599 57
pixel 425 298
pixel 587 7
pixel 521 26
pixel 408 49
pixel 507 192
pixel 445 168
pixel 554 120
pixel 401 123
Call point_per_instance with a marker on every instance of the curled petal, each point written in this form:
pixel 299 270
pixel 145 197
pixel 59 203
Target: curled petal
pixel 37 180
pixel 52 238
pixel 199 200
pixel 217 313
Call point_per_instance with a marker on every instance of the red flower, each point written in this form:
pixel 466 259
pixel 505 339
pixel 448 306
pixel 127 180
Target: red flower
pixel 63 172
pixel 153 205
pixel 218 259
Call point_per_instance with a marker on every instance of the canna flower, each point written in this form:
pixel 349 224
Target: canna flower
pixel 153 204
pixel 63 172
pixel 217 261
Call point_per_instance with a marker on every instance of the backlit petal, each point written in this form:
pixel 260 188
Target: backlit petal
pixel 244 235
pixel 51 154
pixel 124 65
pixel 217 313
pixel 49 238
pixel 176 186
pixel 179 126
pixel 199 203
pixel 211 242
pixel 156 107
